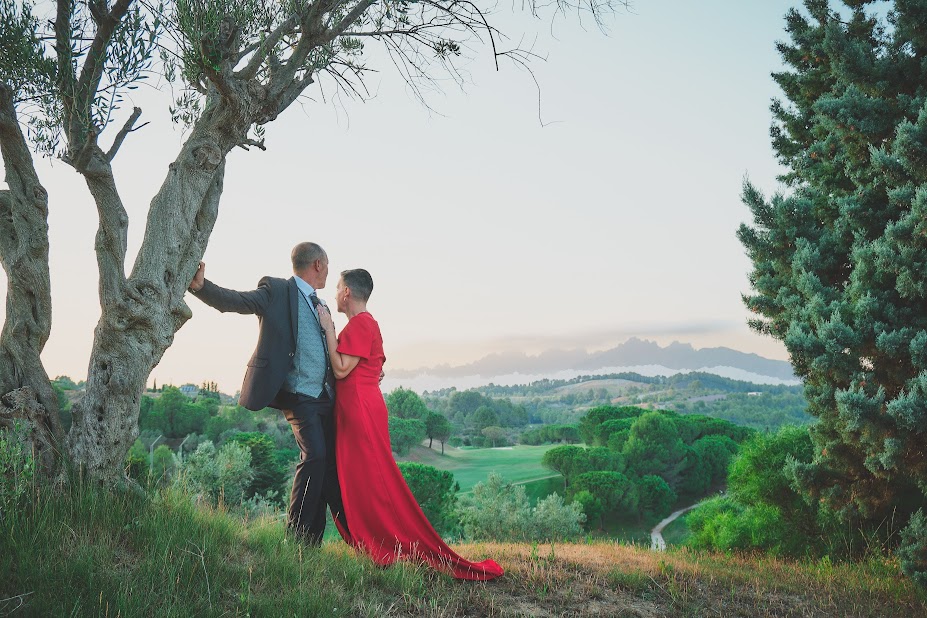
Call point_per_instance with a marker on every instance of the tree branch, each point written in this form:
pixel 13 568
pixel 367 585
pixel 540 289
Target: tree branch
pixel 111 238
pixel 288 26
pixel 292 93
pixel 66 78
pixel 92 72
pixel 283 86
pixel 359 9
pixel 311 29
pixel 250 142
pixel 126 129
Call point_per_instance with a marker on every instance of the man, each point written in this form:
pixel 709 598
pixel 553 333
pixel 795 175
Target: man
pixel 290 371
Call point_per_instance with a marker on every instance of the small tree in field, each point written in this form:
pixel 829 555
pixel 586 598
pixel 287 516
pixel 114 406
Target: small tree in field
pixel 493 434
pixel 437 427
pixel 238 65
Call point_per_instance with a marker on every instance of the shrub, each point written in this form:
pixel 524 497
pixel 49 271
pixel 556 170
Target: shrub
pixel 405 433
pixel 270 474
pixel 137 461
pixel 554 521
pixel 435 491
pixel 218 475
pixel 913 549
pixel 592 506
pixel 722 524
pixel 498 510
pixel 17 470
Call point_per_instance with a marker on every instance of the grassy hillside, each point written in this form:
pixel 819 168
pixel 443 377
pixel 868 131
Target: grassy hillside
pixel 470 466
pixel 84 553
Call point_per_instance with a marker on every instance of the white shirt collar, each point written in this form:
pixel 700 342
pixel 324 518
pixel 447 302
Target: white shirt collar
pixel 304 287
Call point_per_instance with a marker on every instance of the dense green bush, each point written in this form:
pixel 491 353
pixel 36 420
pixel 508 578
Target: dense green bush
pixel 655 497
pixel 435 491
pixel 270 475
pixel 913 549
pixel 137 461
pixel 404 433
pixel 722 524
pixel 617 493
pixel 763 510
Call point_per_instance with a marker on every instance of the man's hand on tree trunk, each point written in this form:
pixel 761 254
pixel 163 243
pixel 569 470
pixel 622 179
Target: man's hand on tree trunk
pixel 198 279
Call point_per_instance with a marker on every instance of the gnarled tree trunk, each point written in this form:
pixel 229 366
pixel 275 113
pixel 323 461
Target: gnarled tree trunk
pixel 24 256
pixel 141 313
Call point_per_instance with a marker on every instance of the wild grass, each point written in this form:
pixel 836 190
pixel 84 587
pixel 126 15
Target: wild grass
pixel 85 552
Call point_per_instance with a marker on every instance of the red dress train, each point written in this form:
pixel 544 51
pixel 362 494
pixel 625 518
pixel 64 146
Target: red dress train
pixel 383 516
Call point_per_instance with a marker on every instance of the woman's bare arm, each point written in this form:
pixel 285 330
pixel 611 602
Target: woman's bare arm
pixel 342 364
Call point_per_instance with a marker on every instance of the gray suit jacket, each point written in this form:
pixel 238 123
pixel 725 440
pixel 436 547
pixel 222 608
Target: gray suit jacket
pixel 275 303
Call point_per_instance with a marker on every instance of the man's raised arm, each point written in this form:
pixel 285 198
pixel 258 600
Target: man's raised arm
pixel 224 300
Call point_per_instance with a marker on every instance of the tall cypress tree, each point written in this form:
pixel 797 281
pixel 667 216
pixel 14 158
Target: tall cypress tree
pixel 840 255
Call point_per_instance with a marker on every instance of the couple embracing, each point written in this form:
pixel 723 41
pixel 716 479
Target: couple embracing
pixel 327 388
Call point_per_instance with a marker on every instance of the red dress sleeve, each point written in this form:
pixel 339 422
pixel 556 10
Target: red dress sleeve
pixel 356 338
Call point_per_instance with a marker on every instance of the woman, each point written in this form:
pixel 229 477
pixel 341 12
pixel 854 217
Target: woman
pixel 384 518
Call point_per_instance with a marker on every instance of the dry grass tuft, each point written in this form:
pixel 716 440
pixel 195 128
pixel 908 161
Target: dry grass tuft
pixel 608 579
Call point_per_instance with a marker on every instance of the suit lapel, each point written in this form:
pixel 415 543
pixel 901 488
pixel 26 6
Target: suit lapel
pixel 293 297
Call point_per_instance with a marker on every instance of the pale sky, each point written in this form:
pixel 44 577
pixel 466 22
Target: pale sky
pixel 484 230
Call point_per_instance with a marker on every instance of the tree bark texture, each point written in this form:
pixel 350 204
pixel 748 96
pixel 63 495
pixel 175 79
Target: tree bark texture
pixel 24 256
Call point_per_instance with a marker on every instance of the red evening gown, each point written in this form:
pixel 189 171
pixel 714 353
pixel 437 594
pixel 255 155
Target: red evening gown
pixel 384 518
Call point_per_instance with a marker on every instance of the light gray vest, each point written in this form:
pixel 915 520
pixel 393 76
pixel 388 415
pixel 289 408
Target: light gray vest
pixel 307 375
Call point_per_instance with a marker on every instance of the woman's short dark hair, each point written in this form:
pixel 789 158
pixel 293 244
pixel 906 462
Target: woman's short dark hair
pixel 359 282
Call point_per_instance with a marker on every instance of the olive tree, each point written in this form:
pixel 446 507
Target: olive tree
pixel 237 65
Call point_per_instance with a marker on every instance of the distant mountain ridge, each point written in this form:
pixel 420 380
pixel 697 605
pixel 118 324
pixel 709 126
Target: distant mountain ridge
pixel 632 353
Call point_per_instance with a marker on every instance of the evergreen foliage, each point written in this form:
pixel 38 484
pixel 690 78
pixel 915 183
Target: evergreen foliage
pixel 840 260
pixel 549 434
pixel 616 492
pixel 435 491
pixel 470 412
pixel 765 511
pixel 270 475
pixel 405 403
pixel 913 549
pixel 656 497
pixel 437 427
pixel 404 433
pixel 660 455
pixel 176 415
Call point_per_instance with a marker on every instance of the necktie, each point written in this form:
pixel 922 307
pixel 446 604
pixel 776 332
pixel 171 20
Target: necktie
pixel 329 375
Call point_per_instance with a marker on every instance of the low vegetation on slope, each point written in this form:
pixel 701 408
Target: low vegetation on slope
pixel 83 552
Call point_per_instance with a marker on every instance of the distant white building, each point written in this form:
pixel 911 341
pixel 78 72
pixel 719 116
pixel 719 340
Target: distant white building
pixel 190 390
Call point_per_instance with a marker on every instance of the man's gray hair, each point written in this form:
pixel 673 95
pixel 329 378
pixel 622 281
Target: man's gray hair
pixel 305 253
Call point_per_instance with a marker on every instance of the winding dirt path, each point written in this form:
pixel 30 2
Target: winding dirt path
pixel 657 542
